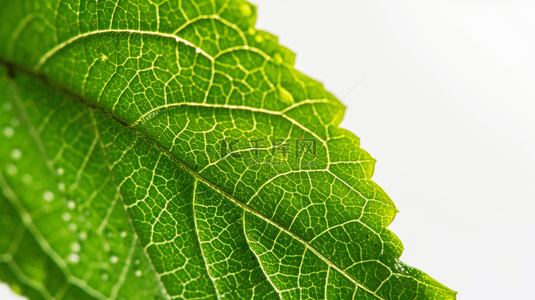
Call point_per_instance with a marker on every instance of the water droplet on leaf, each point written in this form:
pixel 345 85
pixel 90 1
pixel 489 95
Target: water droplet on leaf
pixel 66 217
pixel 74 258
pixel 114 259
pixel 71 204
pixel 9 132
pixel 11 169
pixel 72 227
pixel 48 195
pixel 16 154
pixel 75 247
pixel 27 178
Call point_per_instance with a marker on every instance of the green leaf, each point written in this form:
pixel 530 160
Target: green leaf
pixel 168 149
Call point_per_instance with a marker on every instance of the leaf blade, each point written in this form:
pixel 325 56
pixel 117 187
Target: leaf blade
pixel 173 95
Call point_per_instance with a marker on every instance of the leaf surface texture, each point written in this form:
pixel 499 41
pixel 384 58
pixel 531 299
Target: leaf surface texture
pixel 114 182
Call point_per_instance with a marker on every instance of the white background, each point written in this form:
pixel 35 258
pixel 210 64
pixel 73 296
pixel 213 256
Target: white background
pixel 449 114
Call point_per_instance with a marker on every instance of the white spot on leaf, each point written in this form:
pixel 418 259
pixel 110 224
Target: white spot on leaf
pixel 27 179
pixel 71 204
pixel 114 259
pixel 66 217
pixel 74 258
pixel 47 195
pixel 11 169
pixel 72 227
pixel 16 154
pixel 75 247
pixel 9 132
